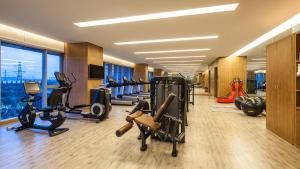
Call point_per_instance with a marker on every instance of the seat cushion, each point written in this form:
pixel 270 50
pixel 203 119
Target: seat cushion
pixel 147 121
pixel 134 115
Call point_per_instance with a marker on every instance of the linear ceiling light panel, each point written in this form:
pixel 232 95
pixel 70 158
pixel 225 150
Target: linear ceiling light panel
pixel 162 15
pixel 178 61
pixel 171 51
pixel 167 40
pixel 175 57
pixel 183 64
pixel 269 35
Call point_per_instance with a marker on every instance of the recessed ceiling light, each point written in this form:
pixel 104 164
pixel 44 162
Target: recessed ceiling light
pixel 178 61
pixel 271 34
pixel 175 57
pixel 167 40
pixel 162 15
pixel 172 51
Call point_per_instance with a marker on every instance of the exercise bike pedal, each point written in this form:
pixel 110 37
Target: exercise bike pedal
pixel 58 131
pixel 10 128
pixel 20 128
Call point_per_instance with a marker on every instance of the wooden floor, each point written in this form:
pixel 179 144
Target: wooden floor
pixel 213 140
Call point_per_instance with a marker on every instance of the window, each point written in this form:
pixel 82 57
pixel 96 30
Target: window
pixel 21 64
pixel 150 75
pixel 114 72
pixel 117 72
pixel 18 65
pixel 260 80
pixel 120 74
pixel 53 65
pixel 126 72
pixel 130 73
pixel 107 72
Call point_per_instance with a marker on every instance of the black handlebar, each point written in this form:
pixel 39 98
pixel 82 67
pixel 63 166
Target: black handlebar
pixel 71 81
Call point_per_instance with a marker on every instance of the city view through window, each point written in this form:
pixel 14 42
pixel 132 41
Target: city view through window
pixel 18 65
pixel 21 64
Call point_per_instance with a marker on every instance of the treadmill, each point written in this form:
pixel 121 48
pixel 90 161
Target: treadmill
pixel 141 85
pixel 126 91
pixel 136 89
pixel 115 100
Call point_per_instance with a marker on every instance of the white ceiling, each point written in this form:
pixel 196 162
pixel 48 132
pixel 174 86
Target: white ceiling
pixel 55 18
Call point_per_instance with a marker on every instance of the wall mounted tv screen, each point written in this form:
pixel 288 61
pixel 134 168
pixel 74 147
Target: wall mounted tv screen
pixel 96 72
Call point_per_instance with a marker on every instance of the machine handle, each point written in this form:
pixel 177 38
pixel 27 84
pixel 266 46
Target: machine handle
pixel 71 82
pixel 74 78
pixel 124 129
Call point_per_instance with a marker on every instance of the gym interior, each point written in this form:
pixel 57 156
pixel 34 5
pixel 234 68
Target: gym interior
pixel 150 84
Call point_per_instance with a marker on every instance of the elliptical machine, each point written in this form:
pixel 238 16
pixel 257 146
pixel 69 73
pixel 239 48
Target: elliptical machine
pixel 100 102
pixel 53 113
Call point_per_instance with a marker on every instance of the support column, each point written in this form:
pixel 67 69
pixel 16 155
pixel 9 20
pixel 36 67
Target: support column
pixel 141 71
pixel 157 72
pixel 77 58
pixel 223 70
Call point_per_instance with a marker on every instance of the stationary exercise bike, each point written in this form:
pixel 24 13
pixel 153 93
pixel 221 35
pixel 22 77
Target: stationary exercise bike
pixel 53 113
pixel 100 102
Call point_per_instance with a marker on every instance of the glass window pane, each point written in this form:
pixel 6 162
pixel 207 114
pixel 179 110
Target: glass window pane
pixel 120 74
pixel 130 73
pixel 115 72
pixel 18 64
pixel 107 72
pixel 150 75
pixel 53 65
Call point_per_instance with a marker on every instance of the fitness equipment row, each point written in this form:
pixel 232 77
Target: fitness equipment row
pixel 100 99
pixel 126 93
pixel 166 119
pixel 58 105
pixel 251 106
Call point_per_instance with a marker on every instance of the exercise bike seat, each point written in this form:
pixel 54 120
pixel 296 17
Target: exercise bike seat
pixel 147 121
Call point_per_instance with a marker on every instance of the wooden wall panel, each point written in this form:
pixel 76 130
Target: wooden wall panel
pixel 228 69
pixel 286 73
pixel 271 98
pixel 157 72
pixel 95 56
pixel 297 133
pixel 141 71
pixel 281 88
pixel 77 58
pixel 75 61
pixel 211 76
pixel 206 78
